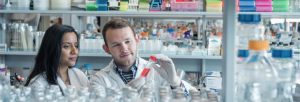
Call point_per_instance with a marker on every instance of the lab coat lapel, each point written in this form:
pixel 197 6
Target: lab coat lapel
pixel 74 81
pixel 61 84
pixel 114 75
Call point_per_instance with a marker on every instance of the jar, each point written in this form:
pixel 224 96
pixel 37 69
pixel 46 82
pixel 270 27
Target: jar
pixel 41 4
pixel 23 4
pixel 60 4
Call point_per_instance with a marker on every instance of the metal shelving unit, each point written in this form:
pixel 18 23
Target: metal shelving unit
pixel 145 14
pixel 102 54
pixel 229 42
pixel 275 14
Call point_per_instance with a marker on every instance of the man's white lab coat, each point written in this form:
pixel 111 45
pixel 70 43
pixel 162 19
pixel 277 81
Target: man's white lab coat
pixel 108 77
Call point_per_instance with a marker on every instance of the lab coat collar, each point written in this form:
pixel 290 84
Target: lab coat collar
pixel 72 77
pixel 111 71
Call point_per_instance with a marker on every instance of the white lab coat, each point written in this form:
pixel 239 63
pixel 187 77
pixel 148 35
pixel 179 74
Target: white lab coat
pixel 108 77
pixel 77 79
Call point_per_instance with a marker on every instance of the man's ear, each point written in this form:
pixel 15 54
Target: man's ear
pixel 137 39
pixel 105 48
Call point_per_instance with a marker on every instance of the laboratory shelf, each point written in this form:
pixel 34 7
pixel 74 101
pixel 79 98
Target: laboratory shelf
pixel 159 14
pixel 102 54
pixel 275 14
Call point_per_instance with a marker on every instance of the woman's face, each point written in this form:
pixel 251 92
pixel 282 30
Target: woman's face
pixel 69 50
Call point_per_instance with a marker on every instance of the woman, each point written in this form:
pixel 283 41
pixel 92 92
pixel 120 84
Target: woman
pixel 57 54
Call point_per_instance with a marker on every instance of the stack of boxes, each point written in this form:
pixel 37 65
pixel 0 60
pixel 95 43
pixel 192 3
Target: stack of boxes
pixel 184 5
pixel 101 5
pixel 280 5
pixel 247 5
pixel 143 5
pixel 213 5
pixel 124 5
pixel 263 5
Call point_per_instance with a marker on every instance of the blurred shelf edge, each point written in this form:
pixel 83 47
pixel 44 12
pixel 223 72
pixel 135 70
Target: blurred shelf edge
pixel 275 14
pixel 102 54
pixel 163 14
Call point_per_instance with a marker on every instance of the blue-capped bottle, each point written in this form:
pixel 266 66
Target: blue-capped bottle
pixel 246 29
pixel 283 63
pixel 257 75
pixel 87 70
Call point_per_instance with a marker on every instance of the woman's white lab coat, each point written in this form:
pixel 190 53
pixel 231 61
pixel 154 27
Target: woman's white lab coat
pixel 77 79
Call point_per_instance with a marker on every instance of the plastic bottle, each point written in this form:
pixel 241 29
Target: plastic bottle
pixel 147 95
pixel 152 60
pixel 257 75
pixel 23 4
pixel 296 50
pixel 41 4
pixel 164 95
pixel 282 61
pixel 129 95
pixel 294 5
pixel 60 4
pixel 195 97
pixel 87 70
pixel 246 29
pixel 178 96
pixel 242 55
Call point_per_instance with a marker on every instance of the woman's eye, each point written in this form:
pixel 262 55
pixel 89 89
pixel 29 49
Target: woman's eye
pixel 66 46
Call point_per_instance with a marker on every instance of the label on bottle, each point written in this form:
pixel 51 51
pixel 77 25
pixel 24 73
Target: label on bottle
pixel 145 72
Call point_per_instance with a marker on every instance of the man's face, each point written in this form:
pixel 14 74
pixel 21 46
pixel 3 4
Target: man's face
pixel 122 45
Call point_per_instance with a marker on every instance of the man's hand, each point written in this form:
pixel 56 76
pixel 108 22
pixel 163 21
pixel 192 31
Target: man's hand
pixel 166 69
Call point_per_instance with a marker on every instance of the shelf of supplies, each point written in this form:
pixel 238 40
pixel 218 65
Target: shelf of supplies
pixel 163 14
pixel 275 14
pixel 27 53
pixel 102 54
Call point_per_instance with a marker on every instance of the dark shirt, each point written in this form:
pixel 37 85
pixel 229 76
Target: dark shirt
pixel 127 76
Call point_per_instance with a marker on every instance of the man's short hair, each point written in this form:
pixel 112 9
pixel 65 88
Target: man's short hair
pixel 115 24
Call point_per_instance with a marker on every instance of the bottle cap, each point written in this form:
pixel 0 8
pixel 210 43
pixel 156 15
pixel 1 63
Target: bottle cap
pixel 153 58
pixel 87 66
pixel 243 53
pixel 258 44
pixel 282 53
pixel 249 18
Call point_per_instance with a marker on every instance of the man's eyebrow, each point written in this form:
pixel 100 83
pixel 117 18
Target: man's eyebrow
pixel 119 42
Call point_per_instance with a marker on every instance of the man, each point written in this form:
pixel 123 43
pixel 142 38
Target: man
pixel 126 67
